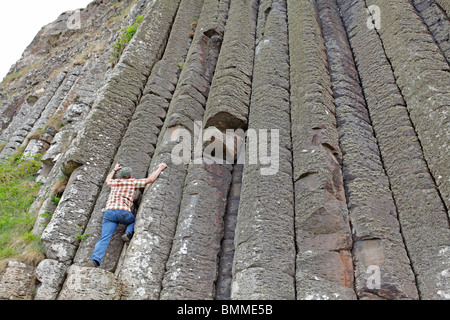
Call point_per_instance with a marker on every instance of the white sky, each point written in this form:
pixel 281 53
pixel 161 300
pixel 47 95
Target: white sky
pixel 21 20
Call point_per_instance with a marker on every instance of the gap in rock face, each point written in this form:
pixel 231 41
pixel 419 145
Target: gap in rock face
pixel 225 276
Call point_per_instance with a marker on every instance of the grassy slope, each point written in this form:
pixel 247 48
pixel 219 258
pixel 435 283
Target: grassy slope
pixel 17 192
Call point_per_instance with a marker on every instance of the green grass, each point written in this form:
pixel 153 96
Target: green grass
pixel 125 37
pixel 18 190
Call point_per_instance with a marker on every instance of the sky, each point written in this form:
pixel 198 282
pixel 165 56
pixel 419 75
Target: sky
pixel 21 20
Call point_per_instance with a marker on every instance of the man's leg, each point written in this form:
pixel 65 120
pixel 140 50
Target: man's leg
pixel 128 219
pixel 109 225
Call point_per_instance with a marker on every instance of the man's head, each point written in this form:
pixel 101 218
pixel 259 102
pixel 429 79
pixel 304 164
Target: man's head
pixel 125 172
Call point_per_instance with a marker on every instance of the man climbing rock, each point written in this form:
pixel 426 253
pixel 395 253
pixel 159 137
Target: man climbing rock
pixel 118 208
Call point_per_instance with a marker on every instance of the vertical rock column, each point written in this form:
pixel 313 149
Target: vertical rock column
pixel 91 153
pixel 23 122
pixel 228 101
pixel 324 268
pixel 138 144
pixel 264 259
pixel 144 264
pixel 63 97
pixel 421 213
pixel 377 241
pixel 423 76
pixel 193 262
pixel 445 5
pixel 437 23
pixel 92 77
pixel 63 93
pixel 225 272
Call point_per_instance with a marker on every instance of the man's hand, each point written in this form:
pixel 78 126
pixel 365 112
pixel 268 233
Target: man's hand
pixel 162 166
pixel 111 175
pixel 155 174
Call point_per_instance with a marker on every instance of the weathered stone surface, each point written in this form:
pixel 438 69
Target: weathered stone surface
pixel 50 274
pixel 193 263
pixel 16 281
pixel 421 213
pixel 227 106
pixel 91 78
pixel 324 266
pixel 117 100
pixel 43 216
pixel 350 202
pixel 445 5
pixel 28 114
pixel 225 274
pixel 59 99
pixel 437 23
pixel 107 122
pixel 376 234
pixel 264 258
pixel 35 147
pixel 138 143
pixel 194 258
pixel 23 122
pixel 88 284
pixel 422 75
pixel 141 273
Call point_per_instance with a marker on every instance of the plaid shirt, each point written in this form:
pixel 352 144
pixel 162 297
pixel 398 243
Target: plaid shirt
pixel 122 193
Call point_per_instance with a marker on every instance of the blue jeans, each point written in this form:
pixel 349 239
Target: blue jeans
pixel 111 219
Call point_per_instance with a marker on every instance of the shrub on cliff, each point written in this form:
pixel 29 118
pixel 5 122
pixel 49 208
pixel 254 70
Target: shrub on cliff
pixel 122 41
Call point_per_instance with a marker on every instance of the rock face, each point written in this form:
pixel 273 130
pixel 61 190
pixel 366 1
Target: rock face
pixel 307 144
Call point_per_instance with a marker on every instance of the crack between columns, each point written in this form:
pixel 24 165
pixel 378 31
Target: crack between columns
pixel 442 9
pixel 292 155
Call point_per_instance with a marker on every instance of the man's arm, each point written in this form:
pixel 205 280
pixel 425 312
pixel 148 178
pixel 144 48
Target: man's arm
pixel 111 174
pixel 151 178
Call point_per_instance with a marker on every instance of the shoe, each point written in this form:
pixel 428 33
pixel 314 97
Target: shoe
pixel 127 236
pixel 92 264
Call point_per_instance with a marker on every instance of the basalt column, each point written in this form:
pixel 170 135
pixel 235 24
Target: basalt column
pixel 324 268
pixel 377 241
pixel 92 152
pixel 144 263
pixel 138 144
pixel 193 263
pixel 422 74
pixel 436 22
pixel 421 212
pixel 264 259
pixel 445 6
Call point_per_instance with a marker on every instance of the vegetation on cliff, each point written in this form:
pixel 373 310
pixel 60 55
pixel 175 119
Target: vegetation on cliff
pixel 18 190
pixel 125 37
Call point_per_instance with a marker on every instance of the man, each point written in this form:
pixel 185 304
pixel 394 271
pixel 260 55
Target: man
pixel 118 208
